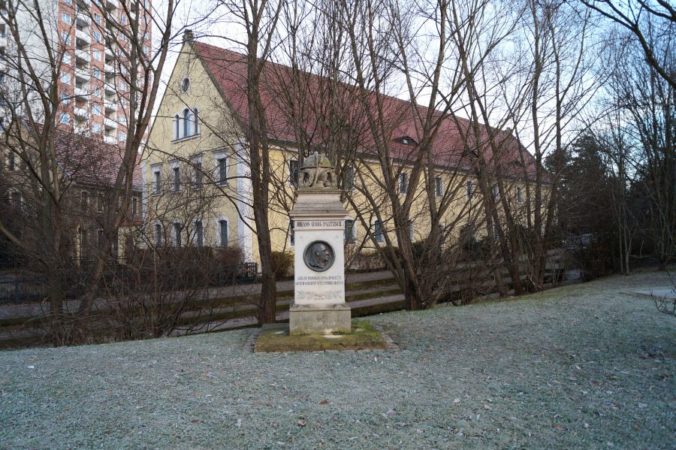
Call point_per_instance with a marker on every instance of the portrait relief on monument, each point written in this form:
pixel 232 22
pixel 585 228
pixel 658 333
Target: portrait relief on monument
pixel 319 256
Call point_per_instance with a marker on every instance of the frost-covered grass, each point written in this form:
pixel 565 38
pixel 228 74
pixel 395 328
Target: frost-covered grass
pixel 583 366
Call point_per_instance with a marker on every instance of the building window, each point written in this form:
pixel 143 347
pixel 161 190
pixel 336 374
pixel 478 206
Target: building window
pixel 84 200
pixel 350 231
pixel 411 230
pixel 177 127
pixel 158 235
pixel 11 161
pixel 96 110
pixel 65 18
pixel 100 202
pixel 378 231
pixel 100 238
pixel 177 234
pixel 65 78
pixel 15 199
pixel 158 181
pixel 293 172
pixel 197 174
pixel 403 182
pixel 199 233
pixel 134 207
pixel 292 233
pixel 196 123
pixel 222 170
pixel 64 118
pixel 66 58
pixel 470 188
pixel 97 36
pixel 223 233
pixel 519 195
pixel 177 179
pixel 96 54
pixel 96 128
pixel 348 182
pixel 185 84
pixel 186 122
pixel 65 37
pixel 84 243
pixel 438 188
pixel 495 191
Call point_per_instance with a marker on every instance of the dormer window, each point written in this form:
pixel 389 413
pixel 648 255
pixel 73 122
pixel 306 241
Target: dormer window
pixel 185 84
pixel 406 140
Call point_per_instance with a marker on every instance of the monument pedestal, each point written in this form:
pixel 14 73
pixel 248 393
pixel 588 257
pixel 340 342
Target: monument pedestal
pixel 308 319
pixel 319 277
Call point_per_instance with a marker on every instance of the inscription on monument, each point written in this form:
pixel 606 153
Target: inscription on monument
pixel 317 224
pixel 320 280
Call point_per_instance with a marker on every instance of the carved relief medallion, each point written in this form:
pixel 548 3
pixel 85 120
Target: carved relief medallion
pixel 319 256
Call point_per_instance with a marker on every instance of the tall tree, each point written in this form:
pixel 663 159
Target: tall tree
pixel 32 135
pixel 259 20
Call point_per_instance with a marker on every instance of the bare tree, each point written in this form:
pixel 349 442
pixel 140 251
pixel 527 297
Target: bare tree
pixel 642 125
pixel 258 18
pixel 649 21
pixel 38 102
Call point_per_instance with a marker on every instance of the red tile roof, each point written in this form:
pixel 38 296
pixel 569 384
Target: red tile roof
pixel 228 69
pixel 88 160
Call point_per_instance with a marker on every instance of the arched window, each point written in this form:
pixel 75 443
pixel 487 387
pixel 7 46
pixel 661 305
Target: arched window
pixel 177 127
pixel 196 126
pixel 186 122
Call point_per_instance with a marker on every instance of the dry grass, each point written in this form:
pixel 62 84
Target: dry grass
pixel 363 337
pixel 584 366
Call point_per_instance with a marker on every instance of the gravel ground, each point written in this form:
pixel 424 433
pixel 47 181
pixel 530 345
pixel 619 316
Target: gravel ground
pixel 583 366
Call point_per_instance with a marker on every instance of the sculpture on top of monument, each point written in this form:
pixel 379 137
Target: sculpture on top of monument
pixel 317 172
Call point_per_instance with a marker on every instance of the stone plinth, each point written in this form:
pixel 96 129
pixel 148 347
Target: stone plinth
pixel 322 319
pixel 319 276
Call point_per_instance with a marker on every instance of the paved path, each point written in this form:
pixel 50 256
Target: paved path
pixel 668 292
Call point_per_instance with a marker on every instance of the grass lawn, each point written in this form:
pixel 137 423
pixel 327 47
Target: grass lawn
pixel 582 366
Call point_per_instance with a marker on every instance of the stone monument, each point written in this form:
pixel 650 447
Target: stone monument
pixel 319 275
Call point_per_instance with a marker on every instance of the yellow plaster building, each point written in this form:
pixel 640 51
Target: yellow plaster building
pixel 196 172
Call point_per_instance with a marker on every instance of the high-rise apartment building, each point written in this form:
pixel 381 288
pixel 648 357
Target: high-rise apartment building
pixel 93 40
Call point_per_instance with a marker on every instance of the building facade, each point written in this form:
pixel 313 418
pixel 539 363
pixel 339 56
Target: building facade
pixel 196 165
pixel 87 43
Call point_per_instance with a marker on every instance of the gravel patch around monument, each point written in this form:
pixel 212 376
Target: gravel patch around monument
pixel 583 366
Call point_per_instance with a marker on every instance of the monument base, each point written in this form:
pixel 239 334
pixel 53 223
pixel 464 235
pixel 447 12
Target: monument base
pixel 319 319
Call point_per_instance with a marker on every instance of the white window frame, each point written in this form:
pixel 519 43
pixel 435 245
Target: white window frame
pixel 199 240
pixel 382 231
pixel 403 182
pixel 157 234
pixel 353 232
pixel 195 174
pixel 217 168
pixel 176 229
pixel 219 240
pixel 157 178
pixel 175 165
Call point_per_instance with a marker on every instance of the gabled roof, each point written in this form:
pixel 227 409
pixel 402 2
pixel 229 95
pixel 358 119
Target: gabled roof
pixel 88 160
pixel 228 70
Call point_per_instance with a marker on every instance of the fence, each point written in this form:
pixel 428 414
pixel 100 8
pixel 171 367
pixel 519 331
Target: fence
pixel 21 289
pixel 17 289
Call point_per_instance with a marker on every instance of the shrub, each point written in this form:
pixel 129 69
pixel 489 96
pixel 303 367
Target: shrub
pixel 282 264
